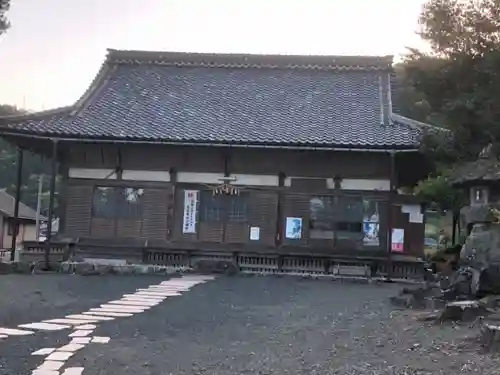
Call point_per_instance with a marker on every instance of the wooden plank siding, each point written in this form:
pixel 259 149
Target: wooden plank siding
pixel 162 203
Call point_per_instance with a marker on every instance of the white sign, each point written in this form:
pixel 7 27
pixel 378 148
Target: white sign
pixel 397 240
pixel 293 228
pixel 190 211
pixel 254 233
pixel 414 211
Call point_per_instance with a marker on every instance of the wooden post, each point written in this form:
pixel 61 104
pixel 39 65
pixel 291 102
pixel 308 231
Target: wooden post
pixel 390 215
pixel 53 173
pixel 15 224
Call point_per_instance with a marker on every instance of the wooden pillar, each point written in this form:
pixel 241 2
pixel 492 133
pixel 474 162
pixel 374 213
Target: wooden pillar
pixel 390 213
pixel 52 190
pixel 15 224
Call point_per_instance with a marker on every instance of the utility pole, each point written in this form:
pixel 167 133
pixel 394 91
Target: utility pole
pixel 39 205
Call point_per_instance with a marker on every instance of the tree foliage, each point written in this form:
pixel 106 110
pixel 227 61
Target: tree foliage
pixel 4 23
pixel 33 167
pixel 456 85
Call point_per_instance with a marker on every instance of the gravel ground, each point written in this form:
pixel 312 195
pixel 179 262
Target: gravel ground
pixel 259 325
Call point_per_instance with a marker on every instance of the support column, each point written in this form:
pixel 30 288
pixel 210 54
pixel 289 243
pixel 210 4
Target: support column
pixel 15 224
pixel 53 174
pixel 390 214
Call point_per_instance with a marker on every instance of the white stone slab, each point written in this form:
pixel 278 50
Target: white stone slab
pixel 59 356
pixel 144 297
pixel 73 371
pixel 80 340
pixel 3 337
pixel 45 326
pixel 134 303
pixel 100 340
pixel 104 312
pixel 81 333
pixel 125 309
pixel 44 372
pixel 51 365
pixel 85 318
pixel 44 351
pixel 72 347
pixel 73 322
pixel 14 332
pixel 158 293
pixel 87 326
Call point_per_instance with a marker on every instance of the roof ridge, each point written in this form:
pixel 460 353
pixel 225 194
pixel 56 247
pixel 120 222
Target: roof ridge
pixel 247 60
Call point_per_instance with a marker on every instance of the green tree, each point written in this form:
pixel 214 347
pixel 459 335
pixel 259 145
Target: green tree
pixel 4 23
pixel 33 166
pixel 458 82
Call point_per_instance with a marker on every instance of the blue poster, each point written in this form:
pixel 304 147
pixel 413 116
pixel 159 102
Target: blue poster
pixel 293 228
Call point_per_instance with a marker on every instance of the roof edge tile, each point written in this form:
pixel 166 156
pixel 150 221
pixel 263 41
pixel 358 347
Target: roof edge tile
pixel 234 60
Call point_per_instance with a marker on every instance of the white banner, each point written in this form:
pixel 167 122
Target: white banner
pixel 190 211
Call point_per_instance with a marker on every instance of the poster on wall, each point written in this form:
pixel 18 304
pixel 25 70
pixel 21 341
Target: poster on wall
pixel 293 228
pixel 398 240
pixel 254 233
pixel 371 223
pixel 190 211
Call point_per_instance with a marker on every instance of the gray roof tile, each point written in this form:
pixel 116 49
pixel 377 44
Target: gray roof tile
pixel 295 100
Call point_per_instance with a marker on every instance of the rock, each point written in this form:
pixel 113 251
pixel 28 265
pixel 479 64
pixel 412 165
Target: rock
pixel 216 266
pixel 428 317
pixel 85 269
pixel 462 311
pixel 489 336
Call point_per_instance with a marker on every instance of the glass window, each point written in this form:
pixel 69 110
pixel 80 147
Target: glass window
pixel 371 223
pixel 211 207
pixel 321 218
pixel 117 202
pixel 221 207
pixel 349 223
pixel 238 208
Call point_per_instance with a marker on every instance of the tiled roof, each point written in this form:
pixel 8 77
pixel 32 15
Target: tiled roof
pixel 7 203
pixel 231 99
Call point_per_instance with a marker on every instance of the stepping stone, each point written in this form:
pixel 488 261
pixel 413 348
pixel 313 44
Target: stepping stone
pixel 81 333
pixel 73 371
pixel 134 303
pixel 80 340
pixel 59 356
pixel 107 313
pixel 45 326
pixel 44 351
pixel 14 332
pixel 73 322
pixel 85 318
pixel 51 365
pixel 122 308
pixel 100 340
pixel 87 327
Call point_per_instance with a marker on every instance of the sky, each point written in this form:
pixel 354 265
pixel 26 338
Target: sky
pixel 55 47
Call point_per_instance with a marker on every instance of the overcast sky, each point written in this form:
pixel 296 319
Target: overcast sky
pixel 55 47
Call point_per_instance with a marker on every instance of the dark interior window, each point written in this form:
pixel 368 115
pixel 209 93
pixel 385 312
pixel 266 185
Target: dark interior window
pixel 321 218
pixel 216 208
pixel 10 228
pixel 117 202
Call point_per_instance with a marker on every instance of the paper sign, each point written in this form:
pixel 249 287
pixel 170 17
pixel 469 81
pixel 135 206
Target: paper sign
pixel 190 211
pixel 397 240
pixel 254 233
pixel 414 211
